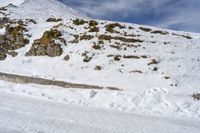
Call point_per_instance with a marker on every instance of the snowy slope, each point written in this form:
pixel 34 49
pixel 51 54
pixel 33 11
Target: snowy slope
pixel 157 75
pixel 14 2
pixel 41 9
pixel 28 114
pixel 167 90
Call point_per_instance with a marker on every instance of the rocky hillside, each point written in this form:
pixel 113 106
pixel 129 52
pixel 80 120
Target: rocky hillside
pixel 134 58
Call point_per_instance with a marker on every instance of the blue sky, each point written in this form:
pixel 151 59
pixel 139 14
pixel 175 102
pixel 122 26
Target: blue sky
pixel 173 14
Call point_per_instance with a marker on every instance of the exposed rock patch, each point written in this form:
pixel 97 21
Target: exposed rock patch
pixel 13 39
pixel 49 44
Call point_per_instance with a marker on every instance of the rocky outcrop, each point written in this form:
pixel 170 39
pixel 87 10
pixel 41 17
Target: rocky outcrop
pixel 49 44
pixel 13 39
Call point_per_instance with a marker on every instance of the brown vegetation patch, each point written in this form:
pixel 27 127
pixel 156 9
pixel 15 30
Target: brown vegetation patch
pixel 123 39
pixel 96 46
pixel 131 57
pixel 79 22
pixel 86 37
pixel 116 47
pixel 130 28
pixel 160 32
pixel 130 35
pixel 53 20
pixel 93 23
pixel 117 57
pixel 94 29
pixel 144 56
pixel 110 27
pixel 145 29
pixel 105 37
pixel 132 45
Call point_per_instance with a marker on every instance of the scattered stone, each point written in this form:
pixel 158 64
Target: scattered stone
pixel 166 77
pixel 117 57
pixel 67 57
pixel 98 68
pixel 87 58
pixel 196 96
pixel 136 71
pixel 153 61
pixel 155 69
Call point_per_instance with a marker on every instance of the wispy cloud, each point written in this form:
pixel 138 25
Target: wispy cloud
pixel 174 14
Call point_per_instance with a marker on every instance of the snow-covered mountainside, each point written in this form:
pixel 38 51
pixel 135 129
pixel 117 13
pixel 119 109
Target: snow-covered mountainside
pixel 40 9
pixel 157 70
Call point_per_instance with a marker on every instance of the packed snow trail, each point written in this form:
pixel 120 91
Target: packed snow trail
pixel 25 80
pixel 28 114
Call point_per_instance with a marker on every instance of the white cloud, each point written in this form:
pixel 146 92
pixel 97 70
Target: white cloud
pixel 107 7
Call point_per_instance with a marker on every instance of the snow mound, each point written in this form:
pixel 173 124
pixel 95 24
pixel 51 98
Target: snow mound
pixel 44 9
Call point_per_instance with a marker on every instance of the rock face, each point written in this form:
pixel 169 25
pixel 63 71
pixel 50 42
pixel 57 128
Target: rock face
pixel 12 39
pixel 49 44
pixel 2 55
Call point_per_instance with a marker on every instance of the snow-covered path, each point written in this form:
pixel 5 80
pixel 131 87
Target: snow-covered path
pixel 28 114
